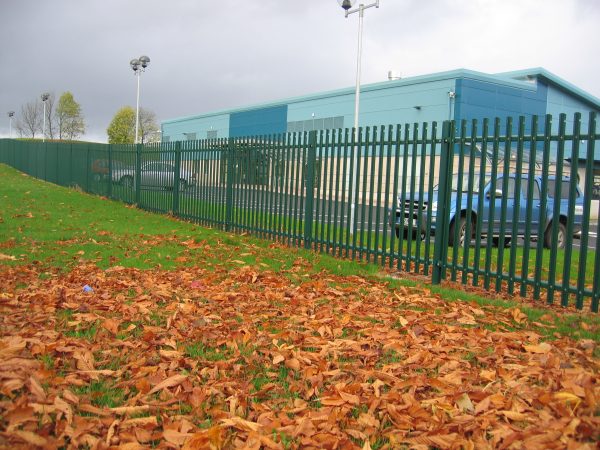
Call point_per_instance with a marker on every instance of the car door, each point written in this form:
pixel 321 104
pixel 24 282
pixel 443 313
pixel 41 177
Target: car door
pixel 150 174
pixel 534 218
pixel 504 203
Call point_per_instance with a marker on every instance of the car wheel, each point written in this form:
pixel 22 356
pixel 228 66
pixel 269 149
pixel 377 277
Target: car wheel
pixel 496 242
pixel 561 237
pixel 414 235
pixel 127 182
pixel 461 224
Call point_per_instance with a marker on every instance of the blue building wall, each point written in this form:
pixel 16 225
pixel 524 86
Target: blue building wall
pixel 388 103
pixel 411 100
pixel 559 102
pixel 260 121
pixel 476 99
pixel 177 130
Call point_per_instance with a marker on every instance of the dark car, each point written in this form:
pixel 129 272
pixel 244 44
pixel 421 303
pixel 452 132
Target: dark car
pixel 415 217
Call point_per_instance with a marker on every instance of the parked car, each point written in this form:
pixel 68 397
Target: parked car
pixel 154 174
pixel 458 211
pixel 100 168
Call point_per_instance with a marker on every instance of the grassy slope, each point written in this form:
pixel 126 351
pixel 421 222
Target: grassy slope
pixel 62 228
pixel 246 342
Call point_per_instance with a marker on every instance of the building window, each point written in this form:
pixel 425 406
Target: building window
pixel 596 188
pixel 211 134
pixel 323 123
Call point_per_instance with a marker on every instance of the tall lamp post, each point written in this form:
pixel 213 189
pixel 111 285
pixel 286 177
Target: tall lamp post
pixel 10 116
pixel 347 6
pixel 45 97
pixel 138 65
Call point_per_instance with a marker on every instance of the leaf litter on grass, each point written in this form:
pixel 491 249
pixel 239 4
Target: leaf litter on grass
pixel 242 358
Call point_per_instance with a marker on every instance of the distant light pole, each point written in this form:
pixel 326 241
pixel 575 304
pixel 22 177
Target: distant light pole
pixel 10 116
pixel 45 97
pixel 347 5
pixel 138 65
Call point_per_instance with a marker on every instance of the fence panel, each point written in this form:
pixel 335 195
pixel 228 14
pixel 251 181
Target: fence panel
pixel 491 204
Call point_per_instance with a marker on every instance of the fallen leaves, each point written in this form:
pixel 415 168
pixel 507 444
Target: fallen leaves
pixel 249 359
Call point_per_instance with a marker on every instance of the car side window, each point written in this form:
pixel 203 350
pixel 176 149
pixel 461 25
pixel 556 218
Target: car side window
pixel 536 191
pixel 525 188
pixel 564 190
pixel 510 192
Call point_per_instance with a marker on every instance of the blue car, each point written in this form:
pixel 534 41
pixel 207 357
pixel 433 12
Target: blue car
pixel 412 213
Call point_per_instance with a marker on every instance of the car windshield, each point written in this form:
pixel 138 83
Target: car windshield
pixel 120 165
pixel 464 185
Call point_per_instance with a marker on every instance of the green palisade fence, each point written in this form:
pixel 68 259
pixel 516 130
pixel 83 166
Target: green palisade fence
pixel 491 203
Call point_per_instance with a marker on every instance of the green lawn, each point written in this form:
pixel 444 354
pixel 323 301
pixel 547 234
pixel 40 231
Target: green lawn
pixel 57 228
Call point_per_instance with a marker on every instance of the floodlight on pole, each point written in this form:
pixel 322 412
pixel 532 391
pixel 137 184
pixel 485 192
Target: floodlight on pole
pixel 10 116
pixel 138 65
pixel 45 97
pixel 351 184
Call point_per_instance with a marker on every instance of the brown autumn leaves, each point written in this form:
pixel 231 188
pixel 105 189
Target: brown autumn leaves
pixel 248 358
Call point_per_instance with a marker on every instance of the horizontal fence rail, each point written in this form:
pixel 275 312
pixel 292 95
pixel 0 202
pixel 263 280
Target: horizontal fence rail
pixel 509 206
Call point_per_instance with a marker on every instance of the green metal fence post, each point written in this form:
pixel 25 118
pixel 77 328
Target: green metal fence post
pixel 310 183
pixel 138 173
pixel 442 215
pixel 110 171
pixel 176 177
pixel 229 177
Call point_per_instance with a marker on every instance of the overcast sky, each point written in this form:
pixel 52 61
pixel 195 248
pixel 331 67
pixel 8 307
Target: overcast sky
pixel 211 55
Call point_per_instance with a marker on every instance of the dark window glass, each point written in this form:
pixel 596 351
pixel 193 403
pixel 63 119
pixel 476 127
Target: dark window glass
pixel 564 190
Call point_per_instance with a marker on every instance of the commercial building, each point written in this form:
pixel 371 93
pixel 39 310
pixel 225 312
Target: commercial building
pixel 458 94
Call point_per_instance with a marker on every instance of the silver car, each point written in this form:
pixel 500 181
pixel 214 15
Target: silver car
pixel 155 174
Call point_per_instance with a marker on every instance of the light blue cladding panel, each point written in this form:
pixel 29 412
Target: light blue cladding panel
pixel 387 103
pixel 215 126
pixel 258 121
pixel 562 102
pixel 478 99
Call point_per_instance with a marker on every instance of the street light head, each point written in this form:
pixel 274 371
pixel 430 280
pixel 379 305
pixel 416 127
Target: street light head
pixel 135 64
pixel 346 4
pixel 144 61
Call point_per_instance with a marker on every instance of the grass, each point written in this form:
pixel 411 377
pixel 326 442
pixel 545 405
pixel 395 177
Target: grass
pixel 201 351
pixel 58 229
pixel 102 394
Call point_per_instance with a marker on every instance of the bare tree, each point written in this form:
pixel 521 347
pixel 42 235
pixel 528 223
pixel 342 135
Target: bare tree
pixel 31 118
pixel 148 126
pixel 50 117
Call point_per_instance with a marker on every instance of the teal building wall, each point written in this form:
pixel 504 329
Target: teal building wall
pixel 459 94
